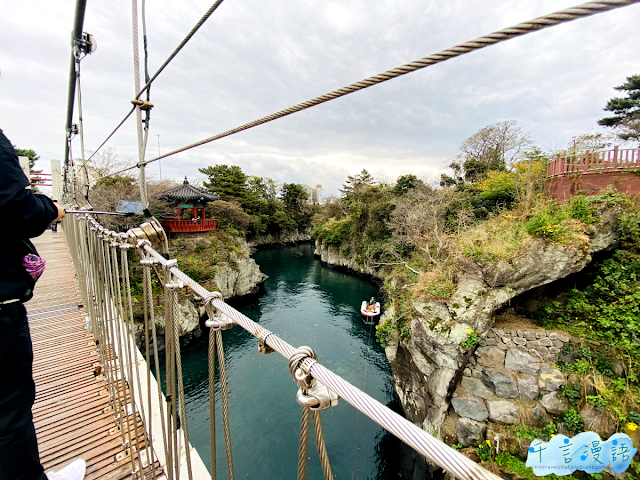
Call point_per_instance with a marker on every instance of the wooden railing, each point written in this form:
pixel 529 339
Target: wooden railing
pixel 594 162
pixel 190 225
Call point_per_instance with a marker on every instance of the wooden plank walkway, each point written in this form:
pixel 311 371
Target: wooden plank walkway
pixel 72 415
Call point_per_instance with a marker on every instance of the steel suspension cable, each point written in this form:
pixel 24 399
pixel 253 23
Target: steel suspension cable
pixel 186 39
pixel 432 448
pixel 539 23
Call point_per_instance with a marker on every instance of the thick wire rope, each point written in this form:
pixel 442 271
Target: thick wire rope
pixel 356 453
pixel 148 300
pixel 212 402
pixel 186 39
pixel 124 246
pixel 433 449
pixel 81 124
pixel 539 23
pixel 178 365
pixel 225 403
pixel 322 448
pixel 304 443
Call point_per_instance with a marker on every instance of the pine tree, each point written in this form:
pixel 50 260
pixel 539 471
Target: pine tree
pixel 626 109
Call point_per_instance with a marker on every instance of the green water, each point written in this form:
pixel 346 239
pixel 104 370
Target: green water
pixel 306 304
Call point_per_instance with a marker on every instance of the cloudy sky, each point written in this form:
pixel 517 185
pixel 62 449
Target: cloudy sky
pixel 255 57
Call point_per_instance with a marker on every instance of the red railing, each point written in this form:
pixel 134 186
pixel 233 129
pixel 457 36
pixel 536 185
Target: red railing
pixel 190 225
pixel 594 162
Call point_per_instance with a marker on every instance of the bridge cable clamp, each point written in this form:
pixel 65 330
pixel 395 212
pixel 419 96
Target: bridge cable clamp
pixel 217 320
pixel 263 348
pixel 312 393
pixel 318 397
pixel 143 104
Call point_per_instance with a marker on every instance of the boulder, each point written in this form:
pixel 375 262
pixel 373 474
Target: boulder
pixel 503 411
pixel 539 418
pixel 470 408
pixel 502 384
pixel 600 422
pixel 243 280
pixel 188 319
pixel 520 361
pixel 550 379
pixel 470 433
pixel 490 356
pixel 528 388
pixel 553 404
pixel 475 386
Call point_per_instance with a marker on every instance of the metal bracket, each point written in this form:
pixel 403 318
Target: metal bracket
pixel 219 322
pixel 317 397
pixel 150 231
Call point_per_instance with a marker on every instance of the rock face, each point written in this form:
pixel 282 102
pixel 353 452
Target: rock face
pixel 470 408
pixel 553 404
pixel 470 432
pixel 427 367
pixel 502 411
pixel 244 280
pixel 332 256
pixel 283 238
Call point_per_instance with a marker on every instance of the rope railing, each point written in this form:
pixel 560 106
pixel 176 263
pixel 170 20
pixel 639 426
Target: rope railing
pixel 524 28
pixel 107 294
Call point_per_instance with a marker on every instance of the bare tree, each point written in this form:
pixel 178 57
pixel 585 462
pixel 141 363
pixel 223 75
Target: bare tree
pixel 496 146
pixel 106 162
pixel 419 220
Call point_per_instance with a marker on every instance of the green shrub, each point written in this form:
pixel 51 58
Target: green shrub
pixel 384 331
pixel 579 209
pixel 548 224
pixel 485 451
pixel 571 393
pixel 472 339
pixel 606 309
pixel 634 417
pixel 597 401
pixel 506 460
pixel 572 420
pixel 333 232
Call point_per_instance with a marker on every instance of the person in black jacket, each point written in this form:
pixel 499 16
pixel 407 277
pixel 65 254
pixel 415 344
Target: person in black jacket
pixel 24 215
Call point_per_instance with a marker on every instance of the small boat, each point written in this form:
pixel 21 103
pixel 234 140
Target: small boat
pixel 369 315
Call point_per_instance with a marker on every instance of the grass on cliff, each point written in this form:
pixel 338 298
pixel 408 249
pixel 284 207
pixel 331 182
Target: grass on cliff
pixel 203 255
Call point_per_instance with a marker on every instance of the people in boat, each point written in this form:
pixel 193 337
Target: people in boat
pixel 372 305
pixel 25 215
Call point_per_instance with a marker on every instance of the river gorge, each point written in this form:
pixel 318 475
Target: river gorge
pixel 306 304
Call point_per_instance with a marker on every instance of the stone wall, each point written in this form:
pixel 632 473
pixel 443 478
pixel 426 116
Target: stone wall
pixel 509 380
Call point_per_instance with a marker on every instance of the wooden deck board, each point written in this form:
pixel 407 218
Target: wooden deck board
pixel 71 413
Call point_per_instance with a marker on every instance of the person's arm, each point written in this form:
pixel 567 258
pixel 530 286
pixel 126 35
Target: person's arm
pixel 26 213
pixel 29 214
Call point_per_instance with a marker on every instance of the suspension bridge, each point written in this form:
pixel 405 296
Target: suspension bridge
pixel 98 397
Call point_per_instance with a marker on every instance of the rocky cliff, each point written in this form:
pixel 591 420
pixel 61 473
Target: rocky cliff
pixel 283 238
pixel 332 256
pixel 433 372
pixel 244 279
pixel 429 366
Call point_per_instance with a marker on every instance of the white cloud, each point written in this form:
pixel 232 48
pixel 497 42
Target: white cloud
pixel 253 58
